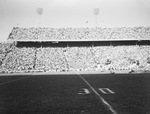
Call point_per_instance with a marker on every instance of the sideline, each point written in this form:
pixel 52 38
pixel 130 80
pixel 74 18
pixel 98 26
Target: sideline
pixel 72 73
pixel 99 96
pixel 12 81
pixel 53 73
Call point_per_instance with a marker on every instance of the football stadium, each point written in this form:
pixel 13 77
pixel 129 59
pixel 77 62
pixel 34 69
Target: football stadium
pixel 75 70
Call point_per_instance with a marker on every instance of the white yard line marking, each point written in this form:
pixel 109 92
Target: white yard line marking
pixel 110 91
pixel 106 91
pixel 102 90
pixel 84 91
pixel 12 81
pixel 99 96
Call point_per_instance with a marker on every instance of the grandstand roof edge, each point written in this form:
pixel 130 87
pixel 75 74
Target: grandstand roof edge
pixel 78 40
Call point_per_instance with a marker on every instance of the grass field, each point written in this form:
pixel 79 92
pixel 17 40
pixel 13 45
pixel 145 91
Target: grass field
pixel 64 94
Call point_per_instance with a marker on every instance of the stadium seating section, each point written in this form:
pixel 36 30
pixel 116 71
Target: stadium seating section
pixel 15 58
pixel 138 33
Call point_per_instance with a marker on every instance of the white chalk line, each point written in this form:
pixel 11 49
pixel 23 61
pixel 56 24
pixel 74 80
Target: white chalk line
pixel 99 96
pixel 110 91
pixel 87 91
pixel 12 81
pixel 103 90
pixel 84 91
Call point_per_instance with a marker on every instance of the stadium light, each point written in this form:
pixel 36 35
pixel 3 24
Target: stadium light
pixel 96 13
pixel 39 11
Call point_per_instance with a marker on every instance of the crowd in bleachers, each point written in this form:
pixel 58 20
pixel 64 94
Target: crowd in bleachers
pixel 122 57
pixel 75 58
pixel 19 60
pixel 50 59
pixel 4 48
pixel 139 33
pixel 106 58
pixel 91 58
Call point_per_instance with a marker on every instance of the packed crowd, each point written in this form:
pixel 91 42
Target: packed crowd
pixel 19 60
pixel 50 59
pixel 4 48
pixel 139 33
pixel 75 58
pixel 89 58
pixel 106 58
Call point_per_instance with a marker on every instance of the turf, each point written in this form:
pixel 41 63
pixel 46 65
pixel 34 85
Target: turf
pixel 48 95
pixel 4 79
pixel 132 91
pixel 58 94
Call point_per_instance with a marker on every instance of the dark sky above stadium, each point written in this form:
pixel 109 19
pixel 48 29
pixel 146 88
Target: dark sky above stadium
pixel 72 13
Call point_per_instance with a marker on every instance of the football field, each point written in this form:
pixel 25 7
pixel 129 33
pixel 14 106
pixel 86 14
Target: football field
pixel 75 94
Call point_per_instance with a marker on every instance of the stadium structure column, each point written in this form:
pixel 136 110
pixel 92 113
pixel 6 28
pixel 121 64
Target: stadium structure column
pixel 15 43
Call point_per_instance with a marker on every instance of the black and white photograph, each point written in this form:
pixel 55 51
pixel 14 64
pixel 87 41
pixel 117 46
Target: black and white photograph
pixel 74 56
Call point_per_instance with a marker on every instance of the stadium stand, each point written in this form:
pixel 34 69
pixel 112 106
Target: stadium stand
pixel 66 34
pixel 4 49
pixel 19 60
pixel 69 56
pixel 50 59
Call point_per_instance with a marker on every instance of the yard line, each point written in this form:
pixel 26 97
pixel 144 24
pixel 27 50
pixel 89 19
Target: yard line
pixel 99 96
pixel 12 81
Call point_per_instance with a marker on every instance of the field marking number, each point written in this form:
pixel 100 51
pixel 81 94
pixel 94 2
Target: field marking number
pixel 84 91
pixel 106 91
